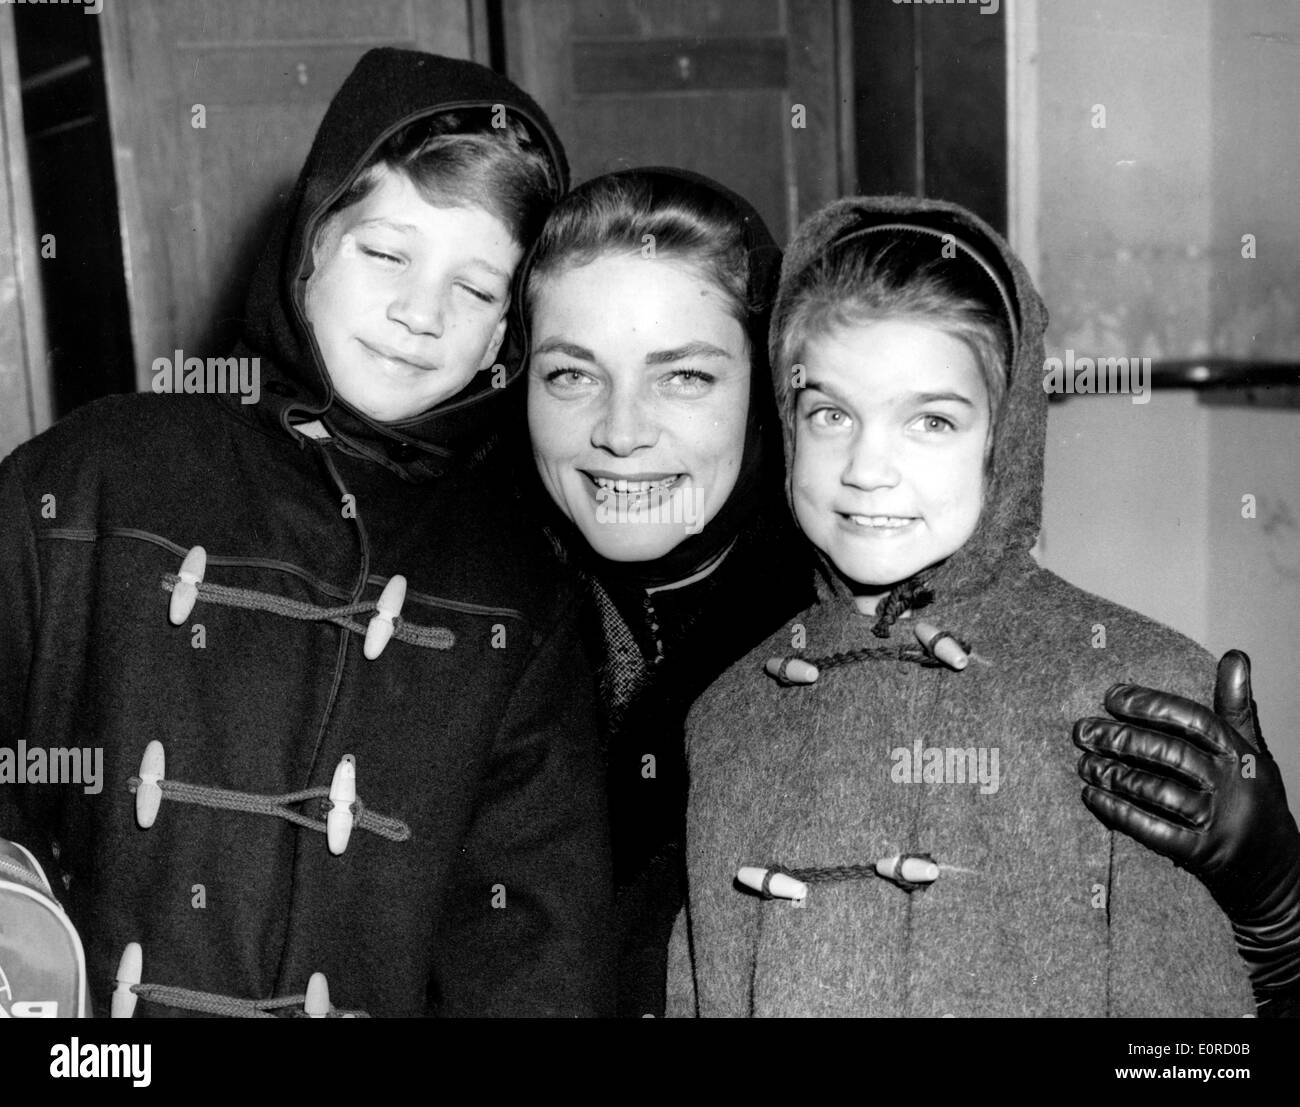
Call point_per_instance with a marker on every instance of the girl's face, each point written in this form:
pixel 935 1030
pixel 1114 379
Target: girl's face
pixel 890 437
pixel 638 392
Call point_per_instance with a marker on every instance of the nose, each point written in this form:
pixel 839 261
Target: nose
pixel 417 307
pixel 871 462
pixel 625 424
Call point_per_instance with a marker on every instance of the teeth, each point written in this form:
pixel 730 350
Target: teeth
pixel 633 487
pixel 882 521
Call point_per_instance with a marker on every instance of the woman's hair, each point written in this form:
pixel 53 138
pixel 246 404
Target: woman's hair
pixel 892 274
pixel 651 215
pixel 461 159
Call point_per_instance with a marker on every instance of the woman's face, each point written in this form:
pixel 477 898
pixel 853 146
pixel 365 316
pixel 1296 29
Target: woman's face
pixel 638 393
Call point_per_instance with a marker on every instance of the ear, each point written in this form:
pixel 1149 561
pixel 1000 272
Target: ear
pixel 493 347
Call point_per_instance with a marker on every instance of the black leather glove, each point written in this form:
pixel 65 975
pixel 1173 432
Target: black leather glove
pixel 1201 788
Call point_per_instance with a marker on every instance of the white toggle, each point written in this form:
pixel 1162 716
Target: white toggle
pixel 797 670
pixel 782 886
pixel 940 646
pixel 128 973
pixel 914 870
pixel 186 590
pixel 317 1005
pixel 343 794
pixel 380 629
pixel 148 797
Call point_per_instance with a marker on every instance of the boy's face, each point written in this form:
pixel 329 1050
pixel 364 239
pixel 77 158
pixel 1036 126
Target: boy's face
pixel 408 300
pixel 890 435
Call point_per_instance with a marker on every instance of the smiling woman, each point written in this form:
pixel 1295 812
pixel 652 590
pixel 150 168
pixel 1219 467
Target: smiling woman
pixel 651 406
pixel 659 462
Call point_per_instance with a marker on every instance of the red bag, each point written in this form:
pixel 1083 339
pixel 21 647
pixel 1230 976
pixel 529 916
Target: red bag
pixel 42 964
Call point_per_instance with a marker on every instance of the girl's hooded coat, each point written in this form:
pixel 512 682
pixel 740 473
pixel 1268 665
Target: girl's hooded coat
pixel 1038 908
pixel 479 737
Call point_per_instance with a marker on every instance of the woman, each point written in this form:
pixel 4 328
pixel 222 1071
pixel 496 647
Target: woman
pixel 659 462
pixel 654 435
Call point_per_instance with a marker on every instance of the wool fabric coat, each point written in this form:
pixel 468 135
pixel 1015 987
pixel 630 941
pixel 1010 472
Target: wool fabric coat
pixel 477 733
pixel 1038 909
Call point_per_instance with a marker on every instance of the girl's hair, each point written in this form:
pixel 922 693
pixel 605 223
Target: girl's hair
pixel 461 159
pixel 652 215
pixel 894 274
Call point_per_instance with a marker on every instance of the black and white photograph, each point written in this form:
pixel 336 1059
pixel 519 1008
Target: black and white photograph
pixel 640 509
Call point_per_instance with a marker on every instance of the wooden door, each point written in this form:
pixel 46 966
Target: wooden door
pixel 195 199
pixel 749 92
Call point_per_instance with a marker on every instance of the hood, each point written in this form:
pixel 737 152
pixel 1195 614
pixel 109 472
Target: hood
pixel 759 481
pixel 1012 513
pixel 387 90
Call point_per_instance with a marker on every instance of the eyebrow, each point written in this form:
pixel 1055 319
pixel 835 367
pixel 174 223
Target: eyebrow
pixel 681 353
pixel 563 346
pixel 908 400
pixel 391 224
pixel 655 357
pixel 939 397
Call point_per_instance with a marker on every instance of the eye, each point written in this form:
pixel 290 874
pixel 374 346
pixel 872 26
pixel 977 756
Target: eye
pixel 828 417
pixel 477 293
pixel 690 380
pixel 380 255
pixel 567 377
pixel 935 424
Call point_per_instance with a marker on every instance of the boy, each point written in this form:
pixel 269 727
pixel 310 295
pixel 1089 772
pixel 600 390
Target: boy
pixel 287 660
pixel 909 782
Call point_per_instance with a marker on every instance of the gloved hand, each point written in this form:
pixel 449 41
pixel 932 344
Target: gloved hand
pixel 1201 788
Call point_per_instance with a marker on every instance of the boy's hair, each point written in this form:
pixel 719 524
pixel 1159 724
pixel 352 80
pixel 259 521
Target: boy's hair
pixel 459 159
pixel 625 213
pixel 892 274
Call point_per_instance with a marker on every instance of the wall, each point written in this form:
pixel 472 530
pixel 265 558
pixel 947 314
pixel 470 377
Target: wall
pixel 1134 230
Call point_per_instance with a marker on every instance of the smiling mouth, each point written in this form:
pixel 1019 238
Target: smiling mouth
pixel 880 522
pixel 620 486
pixel 398 359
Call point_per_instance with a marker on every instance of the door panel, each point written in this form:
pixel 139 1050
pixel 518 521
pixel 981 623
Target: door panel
pixel 712 87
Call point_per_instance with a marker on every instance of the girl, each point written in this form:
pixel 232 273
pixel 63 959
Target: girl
pixel 906 779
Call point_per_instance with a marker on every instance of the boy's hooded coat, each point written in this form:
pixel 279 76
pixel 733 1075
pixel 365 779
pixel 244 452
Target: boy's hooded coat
pixel 485 749
pixel 1038 909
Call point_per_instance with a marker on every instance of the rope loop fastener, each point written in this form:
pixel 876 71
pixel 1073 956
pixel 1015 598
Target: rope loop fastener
pixel 128 991
pixel 938 649
pixel 385 614
pixel 910 871
pixel 344 812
